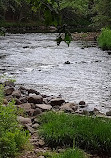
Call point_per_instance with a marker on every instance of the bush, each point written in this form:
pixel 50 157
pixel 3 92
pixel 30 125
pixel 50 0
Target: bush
pixel 12 137
pixel 104 39
pixel 91 134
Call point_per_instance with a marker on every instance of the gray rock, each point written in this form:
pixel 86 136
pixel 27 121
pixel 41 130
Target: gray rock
pixel 41 157
pixel 69 107
pixel 9 97
pixel 41 143
pixel 82 104
pixel 9 90
pixel 36 99
pixel 37 111
pixel 67 62
pixel 26 106
pixel 9 83
pixel 17 101
pixel 23 99
pixel 16 94
pixel 44 106
pixel 57 101
pixel 35 126
pixel 24 120
pixel 33 91
pixel 30 112
pixel 108 113
pixel 29 128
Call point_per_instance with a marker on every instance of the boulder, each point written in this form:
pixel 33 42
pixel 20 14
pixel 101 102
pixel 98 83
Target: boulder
pixel 9 97
pixel 24 120
pixel 33 91
pixel 17 101
pixel 9 90
pixel 16 94
pixel 36 99
pixel 23 99
pixel 57 101
pixel 26 106
pixel 67 62
pixel 35 126
pixel 69 107
pixel 30 112
pixel 29 128
pixel 44 107
pixel 41 143
pixel 82 104
pixel 37 111
pixel 108 113
pixel 9 83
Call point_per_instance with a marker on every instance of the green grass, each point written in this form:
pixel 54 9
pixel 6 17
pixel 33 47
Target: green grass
pixel 104 40
pixel 68 153
pixel 91 134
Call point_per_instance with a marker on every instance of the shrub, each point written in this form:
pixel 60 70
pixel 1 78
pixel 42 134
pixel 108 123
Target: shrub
pixel 12 137
pixel 88 133
pixel 104 39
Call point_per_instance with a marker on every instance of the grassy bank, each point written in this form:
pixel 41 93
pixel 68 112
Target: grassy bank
pixel 13 138
pixel 90 134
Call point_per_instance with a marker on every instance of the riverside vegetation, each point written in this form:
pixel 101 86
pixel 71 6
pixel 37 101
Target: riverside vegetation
pixel 55 129
pixel 13 138
pixel 104 39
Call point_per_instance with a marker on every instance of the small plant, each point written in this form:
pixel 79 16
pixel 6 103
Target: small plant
pixel 104 39
pixel 91 134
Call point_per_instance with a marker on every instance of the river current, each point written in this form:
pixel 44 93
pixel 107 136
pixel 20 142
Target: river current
pixel 36 61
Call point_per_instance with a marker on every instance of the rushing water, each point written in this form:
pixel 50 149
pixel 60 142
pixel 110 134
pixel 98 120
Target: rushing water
pixel 35 61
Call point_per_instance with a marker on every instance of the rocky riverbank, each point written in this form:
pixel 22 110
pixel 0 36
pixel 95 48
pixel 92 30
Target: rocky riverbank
pixel 34 104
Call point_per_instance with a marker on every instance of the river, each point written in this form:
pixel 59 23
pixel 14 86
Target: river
pixel 35 61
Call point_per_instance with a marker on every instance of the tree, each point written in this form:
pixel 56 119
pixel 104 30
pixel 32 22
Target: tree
pixel 102 12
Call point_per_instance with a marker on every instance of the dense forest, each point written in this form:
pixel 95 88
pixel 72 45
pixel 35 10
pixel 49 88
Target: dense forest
pixel 87 15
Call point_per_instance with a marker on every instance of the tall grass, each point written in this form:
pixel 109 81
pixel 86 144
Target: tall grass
pixel 104 39
pixel 88 133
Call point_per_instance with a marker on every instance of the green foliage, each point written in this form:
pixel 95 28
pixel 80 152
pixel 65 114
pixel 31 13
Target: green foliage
pixel 85 132
pixel 104 39
pixel 12 137
pixel 69 153
pixel 102 12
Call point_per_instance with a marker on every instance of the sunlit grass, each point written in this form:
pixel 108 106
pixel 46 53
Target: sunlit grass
pixel 88 133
